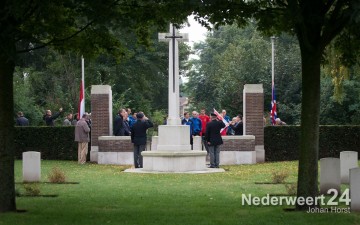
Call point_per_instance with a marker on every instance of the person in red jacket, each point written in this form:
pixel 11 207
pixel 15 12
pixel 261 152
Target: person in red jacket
pixel 204 120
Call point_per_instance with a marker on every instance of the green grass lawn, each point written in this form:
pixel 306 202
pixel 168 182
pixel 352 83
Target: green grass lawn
pixel 106 195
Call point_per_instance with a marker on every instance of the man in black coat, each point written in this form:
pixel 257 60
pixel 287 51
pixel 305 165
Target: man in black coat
pixel 237 126
pixel 214 140
pixel 138 137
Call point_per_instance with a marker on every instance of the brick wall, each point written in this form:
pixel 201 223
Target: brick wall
pixel 101 112
pixel 254 112
pixel 115 144
pixel 238 143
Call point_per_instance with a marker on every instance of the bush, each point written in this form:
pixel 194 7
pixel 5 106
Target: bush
pixel 282 143
pixel 291 188
pixel 54 143
pixel 279 177
pixel 56 176
pixel 32 189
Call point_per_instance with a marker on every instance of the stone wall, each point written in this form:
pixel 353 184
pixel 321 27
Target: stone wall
pixel 115 144
pixel 238 143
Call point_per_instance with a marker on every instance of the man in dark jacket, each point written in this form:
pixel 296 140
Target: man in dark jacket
pixel 21 120
pixel 214 140
pixel 49 117
pixel 119 123
pixel 237 126
pixel 138 137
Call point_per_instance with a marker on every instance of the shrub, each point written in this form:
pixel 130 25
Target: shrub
pixel 54 143
pixel 279 176
pixel 291 189
pixel 282 143
pixel 56 175
pixel 32 189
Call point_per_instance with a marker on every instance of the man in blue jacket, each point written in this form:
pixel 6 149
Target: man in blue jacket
pixel 138 137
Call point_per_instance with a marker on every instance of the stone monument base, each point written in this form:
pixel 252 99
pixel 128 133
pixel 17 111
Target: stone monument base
pixel 174 161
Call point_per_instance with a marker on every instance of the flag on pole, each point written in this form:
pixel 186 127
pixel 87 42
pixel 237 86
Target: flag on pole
pixel 273 113
pixel 220 117
pixel 81 109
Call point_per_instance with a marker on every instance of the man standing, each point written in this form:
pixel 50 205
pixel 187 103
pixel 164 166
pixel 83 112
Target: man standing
pixel 21 120
pixel 82 137
pixel 68 119
pixel 138 137
pixel 214 140
pixel 204 121
pixel 237 126
pixel 49 117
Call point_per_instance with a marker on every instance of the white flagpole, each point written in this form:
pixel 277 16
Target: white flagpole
pixel 272 60
pixel 83 79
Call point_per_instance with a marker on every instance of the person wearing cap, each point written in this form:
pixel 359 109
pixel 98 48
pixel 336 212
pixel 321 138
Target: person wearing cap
pixel 138 137
pixel 214 140
pixel 82 131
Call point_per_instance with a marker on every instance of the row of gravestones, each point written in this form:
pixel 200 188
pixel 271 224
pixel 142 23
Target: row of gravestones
pixel 335 171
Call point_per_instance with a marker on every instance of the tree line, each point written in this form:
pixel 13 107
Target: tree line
pixel 231 57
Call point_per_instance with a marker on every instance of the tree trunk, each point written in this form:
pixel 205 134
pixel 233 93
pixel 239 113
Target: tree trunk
pixel 309 138
pixel 7 181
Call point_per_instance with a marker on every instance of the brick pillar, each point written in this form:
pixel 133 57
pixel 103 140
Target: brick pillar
pixel 254 112
pixel 101 116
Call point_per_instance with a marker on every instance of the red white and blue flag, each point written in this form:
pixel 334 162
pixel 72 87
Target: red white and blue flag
pixel 81 108
pixel 220 117
pixel 273 113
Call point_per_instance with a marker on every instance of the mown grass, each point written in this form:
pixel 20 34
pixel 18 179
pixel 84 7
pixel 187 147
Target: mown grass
pixel 106 195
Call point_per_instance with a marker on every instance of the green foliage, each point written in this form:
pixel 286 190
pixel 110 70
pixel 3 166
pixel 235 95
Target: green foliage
pixel 51 142
pixel 158 117
pixel 333 140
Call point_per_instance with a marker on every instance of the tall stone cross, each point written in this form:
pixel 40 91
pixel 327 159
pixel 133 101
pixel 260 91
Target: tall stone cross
pixel 173 37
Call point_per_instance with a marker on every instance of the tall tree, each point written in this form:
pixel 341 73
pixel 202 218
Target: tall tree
pixel 316 24
pixel 82 26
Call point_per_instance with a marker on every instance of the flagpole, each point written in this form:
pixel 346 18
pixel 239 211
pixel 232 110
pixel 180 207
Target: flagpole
pixel 83 78
pixel 273 113
pixel 272 60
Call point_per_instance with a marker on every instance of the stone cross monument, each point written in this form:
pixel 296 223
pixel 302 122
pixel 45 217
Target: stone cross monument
pixel 173 38
pixel 173 152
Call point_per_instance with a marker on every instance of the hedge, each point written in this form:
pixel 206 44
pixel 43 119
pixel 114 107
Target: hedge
pixel 282 142
pixel 54 143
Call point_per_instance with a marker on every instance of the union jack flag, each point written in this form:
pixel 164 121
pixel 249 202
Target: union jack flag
pixel 273 113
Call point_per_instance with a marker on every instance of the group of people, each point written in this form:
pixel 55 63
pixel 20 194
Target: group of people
pixel 211 129
pixel 134 125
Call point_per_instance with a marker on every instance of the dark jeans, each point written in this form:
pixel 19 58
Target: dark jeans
pixel 214 156
pixel 138 160
pixel 205 144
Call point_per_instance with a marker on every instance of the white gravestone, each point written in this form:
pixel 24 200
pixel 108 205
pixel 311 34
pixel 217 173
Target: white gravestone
pixel 31 167
pixel 348 160
pixel 355 189
pixel 329 174
pixel 154 143
pixel 197 143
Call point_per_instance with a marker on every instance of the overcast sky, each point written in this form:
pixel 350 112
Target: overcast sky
pixel 196 32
